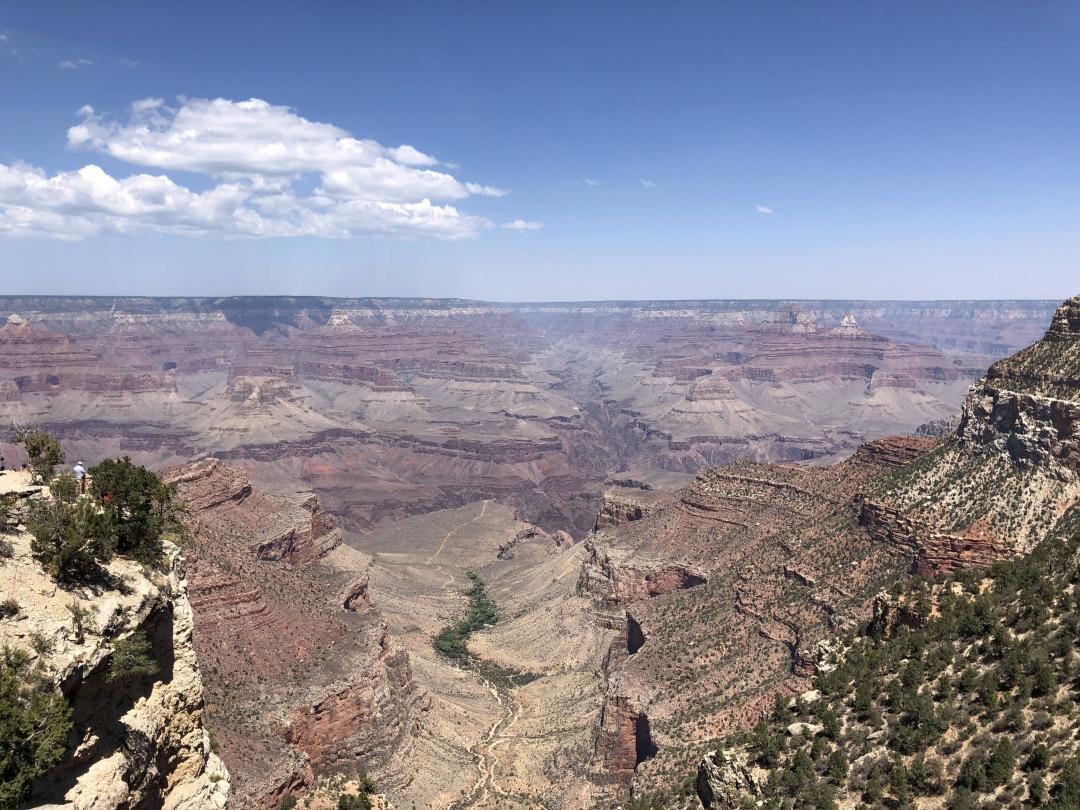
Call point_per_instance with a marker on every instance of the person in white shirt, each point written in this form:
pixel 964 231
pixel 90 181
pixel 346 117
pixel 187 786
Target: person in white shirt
pixel 80 476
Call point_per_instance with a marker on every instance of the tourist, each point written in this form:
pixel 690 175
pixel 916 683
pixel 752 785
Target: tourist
pixel 80 475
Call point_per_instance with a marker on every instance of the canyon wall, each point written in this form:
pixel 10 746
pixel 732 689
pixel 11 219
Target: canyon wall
pixel 302 679
pixel 392 407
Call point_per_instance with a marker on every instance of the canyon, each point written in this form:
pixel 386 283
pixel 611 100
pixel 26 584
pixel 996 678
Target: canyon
pixel 675 506
pixel 393 407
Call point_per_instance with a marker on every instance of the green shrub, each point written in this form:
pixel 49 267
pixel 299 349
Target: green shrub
pixel 1066 792
pixel 43 452
pixel 1040 758
pixel 82 621
pixel 132 657
pixel 451 641
pixel 837 767
pixel 367 784
pixel 347 802
pixel 70 540
pixel 999 769
pixel 41 643
pixel 34 724
pixel 65 488
pixel 1036 789
pixel 138 505
pixel 9 513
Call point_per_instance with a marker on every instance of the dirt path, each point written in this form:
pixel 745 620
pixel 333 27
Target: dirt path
pixel 493 761
pixel 454 531
pixel 484 750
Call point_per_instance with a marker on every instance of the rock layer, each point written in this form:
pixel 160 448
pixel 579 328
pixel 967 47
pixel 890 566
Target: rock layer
pixel 392 407
pixel 301 681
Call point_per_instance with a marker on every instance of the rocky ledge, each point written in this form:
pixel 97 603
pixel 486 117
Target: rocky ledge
pixel 138 742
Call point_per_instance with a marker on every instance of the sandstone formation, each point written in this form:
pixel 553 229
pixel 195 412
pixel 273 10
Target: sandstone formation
pixel 725 777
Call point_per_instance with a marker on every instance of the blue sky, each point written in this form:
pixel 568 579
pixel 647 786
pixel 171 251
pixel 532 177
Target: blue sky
pixel 565 150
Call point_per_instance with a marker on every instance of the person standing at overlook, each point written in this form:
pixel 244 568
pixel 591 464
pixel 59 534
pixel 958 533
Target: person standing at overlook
pixel 79 470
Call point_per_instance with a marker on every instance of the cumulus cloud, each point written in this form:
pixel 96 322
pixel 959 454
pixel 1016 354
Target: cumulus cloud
pixel 75 64
pixel 589 182
pixel 522 225
pixel 647 184
pixel 762 209
pixel 129 63
pixel 271 172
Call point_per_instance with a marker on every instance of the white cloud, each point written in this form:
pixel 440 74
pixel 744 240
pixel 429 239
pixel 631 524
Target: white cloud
pixel 129 63
pixel 762 209
pixel 589 182
pixel 648 184
pixel 75 64
pixel 522 225
pixel 7 47
pixel 271 171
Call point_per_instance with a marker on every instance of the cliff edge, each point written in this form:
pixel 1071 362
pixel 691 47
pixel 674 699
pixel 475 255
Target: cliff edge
pixel 137 738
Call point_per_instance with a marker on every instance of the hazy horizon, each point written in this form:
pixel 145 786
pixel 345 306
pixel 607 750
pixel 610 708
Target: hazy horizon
pixel 528 302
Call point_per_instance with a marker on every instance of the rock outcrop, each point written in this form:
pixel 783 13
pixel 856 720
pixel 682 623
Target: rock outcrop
pixel 1010 470
pixel 1028 405
pixel 618 509
pixel 302 678
pixel 624 738
pixel 138 742
pixel 724 778
pixel 613 582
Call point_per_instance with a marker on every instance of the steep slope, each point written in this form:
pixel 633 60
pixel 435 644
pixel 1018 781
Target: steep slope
pixel 134 741
pixel 1009 473
pixel 960 693
pixel 783 558
pixel 301 677
pixel 722 596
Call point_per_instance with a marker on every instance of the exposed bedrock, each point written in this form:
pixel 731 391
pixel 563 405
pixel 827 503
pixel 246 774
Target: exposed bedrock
pixel 137 741
pixel 933 551
pixel 1028 405
pixel 302 677
pixel 1032 430
pixel 615 510
pixel 611 583
pixel 623 739
pixel 350 728
pixel 1010 470
pixel 724 778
